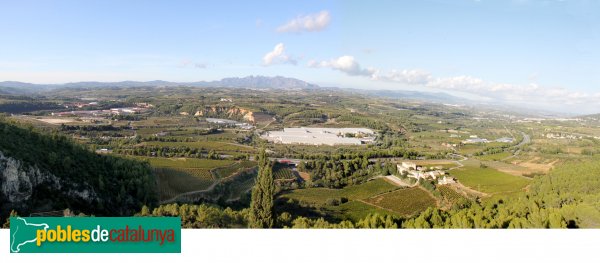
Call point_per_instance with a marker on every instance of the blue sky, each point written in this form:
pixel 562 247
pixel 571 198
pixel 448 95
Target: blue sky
pixel 539 53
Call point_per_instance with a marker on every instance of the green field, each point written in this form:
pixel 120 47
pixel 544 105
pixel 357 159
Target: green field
pixel 489 180
pixel 209 145
pixel 239 187
pixel 181 175
pixel 356 210
pixel 226 171
pixel 174 181
pixel 319 196
pixel 448 194
pixel 187 162
pixel 404 201
pixel 494 157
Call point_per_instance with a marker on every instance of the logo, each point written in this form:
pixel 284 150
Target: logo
pixel 95 235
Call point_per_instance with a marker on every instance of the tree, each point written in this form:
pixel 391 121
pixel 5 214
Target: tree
pixel 145 211
pixel 261 204
pixel 6 224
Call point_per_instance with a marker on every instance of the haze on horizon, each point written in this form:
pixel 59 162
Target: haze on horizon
pixel 535 53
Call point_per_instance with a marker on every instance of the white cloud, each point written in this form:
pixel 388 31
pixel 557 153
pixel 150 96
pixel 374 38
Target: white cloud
pixel 414 76
pixel 523 93
pixel 345 64
pixel 278 56
pixel 309 23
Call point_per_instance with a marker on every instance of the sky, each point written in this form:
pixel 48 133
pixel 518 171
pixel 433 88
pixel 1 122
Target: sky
pixel 536 53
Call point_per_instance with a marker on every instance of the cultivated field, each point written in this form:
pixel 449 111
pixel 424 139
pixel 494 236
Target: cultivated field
pixel 208 145
pixel 449 195
pixel 405 202
pixel 355 208
pixel 226 171
pixel 182 175
pixel 355 192
pixel 188 162
pixel 281 172
pixel 174 181
pixel 489 180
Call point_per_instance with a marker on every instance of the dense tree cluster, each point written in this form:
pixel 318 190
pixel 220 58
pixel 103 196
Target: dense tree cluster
pixel 336 173
pixel 27 106
pixel 122 185
pixel 365 121
pixel 201 216
pixel 210 216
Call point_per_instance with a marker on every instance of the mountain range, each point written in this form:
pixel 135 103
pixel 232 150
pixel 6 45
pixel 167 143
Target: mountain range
pixel 255 82
pixel 14 87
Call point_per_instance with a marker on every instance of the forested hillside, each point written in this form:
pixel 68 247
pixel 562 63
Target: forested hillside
pixel 44 172
pixel 569 196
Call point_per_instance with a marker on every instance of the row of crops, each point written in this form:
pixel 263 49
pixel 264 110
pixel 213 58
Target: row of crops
pixel 406 202
pixel 448 194
pixel 182 175
pixel 223 172
pixel 282 172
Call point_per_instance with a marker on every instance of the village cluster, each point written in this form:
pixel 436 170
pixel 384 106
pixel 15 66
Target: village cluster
pixel 412 170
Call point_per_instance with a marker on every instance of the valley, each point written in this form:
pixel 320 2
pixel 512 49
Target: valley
pixel 335 156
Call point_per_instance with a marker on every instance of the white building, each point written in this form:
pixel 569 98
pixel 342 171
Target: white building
pixel 321 136
pixel 416 171
pixel 446 180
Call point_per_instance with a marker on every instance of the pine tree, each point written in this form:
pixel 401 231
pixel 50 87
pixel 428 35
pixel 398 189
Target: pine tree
pixel 261 205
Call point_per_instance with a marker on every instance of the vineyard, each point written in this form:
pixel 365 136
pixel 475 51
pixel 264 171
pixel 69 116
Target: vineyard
pixel 489 180
pixel 207 145
pixel 448 194
pixel 239 187
pixel 188 162
pixel 223 172
pixel 319 196
pixel 174 181
pixel 180 175
pixel 280 172
pixel 406 202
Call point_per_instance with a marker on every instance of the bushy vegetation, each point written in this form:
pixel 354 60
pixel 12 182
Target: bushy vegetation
pixel 19 104
pixel 336 173
pixel 122 185
pixel 566 197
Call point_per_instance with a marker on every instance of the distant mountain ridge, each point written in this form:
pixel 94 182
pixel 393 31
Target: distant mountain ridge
pixel 257 82
pixel 439 97
pixel 278 82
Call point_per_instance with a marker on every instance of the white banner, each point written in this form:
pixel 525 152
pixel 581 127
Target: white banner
pixel 308 246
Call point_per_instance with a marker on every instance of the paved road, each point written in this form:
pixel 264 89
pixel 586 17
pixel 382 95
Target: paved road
pixel 458 162
pixel 526 140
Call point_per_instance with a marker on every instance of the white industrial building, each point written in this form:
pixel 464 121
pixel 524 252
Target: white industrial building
pixel 321 136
